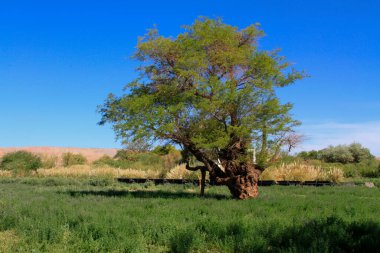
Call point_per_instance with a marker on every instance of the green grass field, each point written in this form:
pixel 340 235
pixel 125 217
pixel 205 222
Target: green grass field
pixel 100 215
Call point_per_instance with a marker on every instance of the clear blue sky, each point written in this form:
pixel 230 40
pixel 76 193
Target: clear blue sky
pixel 60 59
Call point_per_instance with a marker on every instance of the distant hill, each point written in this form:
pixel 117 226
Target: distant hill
pixel 90 153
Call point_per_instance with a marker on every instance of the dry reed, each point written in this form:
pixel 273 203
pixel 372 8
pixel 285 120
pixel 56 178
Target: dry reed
pixel 5 173
pixel 104 171
pixel 298 171
pixel 180 172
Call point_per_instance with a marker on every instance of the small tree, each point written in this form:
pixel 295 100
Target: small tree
pixel 210 90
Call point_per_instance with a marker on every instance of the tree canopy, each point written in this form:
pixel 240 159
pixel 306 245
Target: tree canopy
pixel 209 88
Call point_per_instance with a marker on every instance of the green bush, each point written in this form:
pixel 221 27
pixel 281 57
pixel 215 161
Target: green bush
pixel 20 161
pixel 125 159
pixel 310 155
pixel 69 159
pixel 163 150
pixel 359 153
pixel 104 160
pixel 337 154
pixel 126 155
pixel 350 170
pixel 369 168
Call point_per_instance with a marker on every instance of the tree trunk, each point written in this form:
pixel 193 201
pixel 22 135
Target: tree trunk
pixel 242 180
pixel 240 177
pixel 244 186
pixel 203 182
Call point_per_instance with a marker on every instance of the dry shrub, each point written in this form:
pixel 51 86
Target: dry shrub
pixel 298 171
pixel 171 160
pixel 5 173
pixel 70 159
pixel 88 171
pixel 335 174
pixel 180 172
pixel 49 161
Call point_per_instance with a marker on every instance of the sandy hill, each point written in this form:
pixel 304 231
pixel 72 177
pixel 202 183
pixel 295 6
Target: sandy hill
pixel 90 153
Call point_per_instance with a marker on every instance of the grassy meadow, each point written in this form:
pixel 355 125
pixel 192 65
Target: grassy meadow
pixel 57 214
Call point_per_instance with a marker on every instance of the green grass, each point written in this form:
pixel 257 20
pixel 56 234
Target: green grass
pixel 68 215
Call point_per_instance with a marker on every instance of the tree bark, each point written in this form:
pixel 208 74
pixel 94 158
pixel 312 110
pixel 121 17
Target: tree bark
pixel 203 170
pixel 203 182
pixel 244 183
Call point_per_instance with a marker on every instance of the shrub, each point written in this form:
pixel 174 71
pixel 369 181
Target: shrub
pixel 369 168
pixel 104 160
pixel 337 154
pixel 350 170
pixel 20 161
pixel 164 150
pixel 49 162
pixel 360 153
pixel 149 159
pixel 353 153
pixel 171 160
pixel 126 155
pixel 69 159
pixel 310 155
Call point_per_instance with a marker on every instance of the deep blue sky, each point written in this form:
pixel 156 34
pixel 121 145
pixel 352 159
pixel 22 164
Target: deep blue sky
pixel 60 59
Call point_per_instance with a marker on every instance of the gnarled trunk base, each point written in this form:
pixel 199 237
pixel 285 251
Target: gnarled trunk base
pixel 242 182
pixel 244 186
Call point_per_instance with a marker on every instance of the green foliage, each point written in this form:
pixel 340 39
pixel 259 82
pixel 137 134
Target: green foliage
pixel 163 150
pixel 146 218
pixel 104 160
pixel 126 159
pixel 20 161
pixel 359 153
pixel 354 153
pixel 182 241
pixel 337 154
pixel 354 159
pixel 209 87
pixel 310 155
pixel 126 155
pixel 69 159
pixel 369 168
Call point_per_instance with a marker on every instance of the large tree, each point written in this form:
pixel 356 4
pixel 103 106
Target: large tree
pixel 210 90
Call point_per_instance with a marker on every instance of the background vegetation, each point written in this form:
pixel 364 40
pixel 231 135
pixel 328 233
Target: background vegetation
pixel 355 160
pixel 339 163
pixel 20 161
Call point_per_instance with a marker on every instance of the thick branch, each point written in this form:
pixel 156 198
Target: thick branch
pixel 196 168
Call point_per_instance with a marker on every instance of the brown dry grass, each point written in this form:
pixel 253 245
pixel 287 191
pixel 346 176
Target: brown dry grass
pixel 180 172
pixel 298 171
pixel 91 171
pixel 5 173
pixel 8 239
